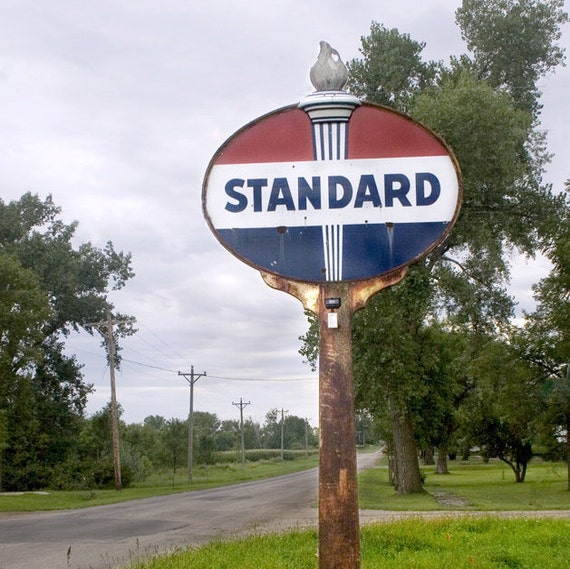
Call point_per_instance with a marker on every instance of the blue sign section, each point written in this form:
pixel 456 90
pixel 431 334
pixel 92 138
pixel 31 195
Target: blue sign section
pixel 297 252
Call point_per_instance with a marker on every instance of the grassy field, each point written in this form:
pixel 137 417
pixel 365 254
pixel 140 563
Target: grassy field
pixel 444 542
pixel 412 544
pixel 472 485
pixel 202 478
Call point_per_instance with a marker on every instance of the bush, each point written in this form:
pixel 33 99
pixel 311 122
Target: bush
pixel 70 475
pixel 75 474
pixel 32 476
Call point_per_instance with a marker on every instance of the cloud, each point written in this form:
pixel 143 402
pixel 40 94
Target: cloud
pixel 116 108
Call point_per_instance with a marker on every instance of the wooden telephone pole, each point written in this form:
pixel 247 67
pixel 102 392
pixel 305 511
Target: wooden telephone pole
pixel 114 410
pixel 242 405
pixel 111 352
pixel 191 378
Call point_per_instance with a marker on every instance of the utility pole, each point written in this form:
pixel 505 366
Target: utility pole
pixel 191 378
pixel 242 404
pixel 283 433
pixel 110 340
pixel 114 411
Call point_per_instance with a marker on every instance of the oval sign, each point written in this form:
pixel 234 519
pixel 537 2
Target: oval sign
pixel 323 200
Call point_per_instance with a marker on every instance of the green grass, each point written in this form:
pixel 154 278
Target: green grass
pixel 202 478
pixel 412 544
pixel 473 485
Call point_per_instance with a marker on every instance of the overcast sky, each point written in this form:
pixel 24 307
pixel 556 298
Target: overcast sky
pixel 115 107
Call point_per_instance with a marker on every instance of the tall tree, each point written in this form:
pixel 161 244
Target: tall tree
pixel 391 71
pixel 72 285
pixel 472 105
pixel 547 339
pixel 513 43
pixel 389 367
pixel 24 309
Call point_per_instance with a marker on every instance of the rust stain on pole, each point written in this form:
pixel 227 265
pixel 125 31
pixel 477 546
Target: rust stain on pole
pixel 339 542
pixel 339 527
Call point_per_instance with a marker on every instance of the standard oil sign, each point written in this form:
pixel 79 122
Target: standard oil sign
pixel 332 190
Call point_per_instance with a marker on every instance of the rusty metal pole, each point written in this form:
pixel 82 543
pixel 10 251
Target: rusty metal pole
pixel 339 534
pixel 339 531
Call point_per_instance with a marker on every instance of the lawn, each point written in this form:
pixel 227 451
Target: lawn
pixel 411 544
pixel 472 485
pixel 484 542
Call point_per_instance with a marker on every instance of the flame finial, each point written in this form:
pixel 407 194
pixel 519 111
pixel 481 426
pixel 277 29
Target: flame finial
pixel 329 73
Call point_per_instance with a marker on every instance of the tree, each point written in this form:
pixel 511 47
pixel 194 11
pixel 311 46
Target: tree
pixel 175 441
pixel 3 439
pixel 297 432
pixel 514 43
pixel 272 429
pixel 57 288
pixel 92 461
pixel 24 309
pixel 506 207
pixel 60 396
pixel 391 71
pixel 500 413
pixel 227 437
pixel 546 339
pixel 447 385
pixel 388 368
pixel 206 426
pixel 251 434
pixel 366 429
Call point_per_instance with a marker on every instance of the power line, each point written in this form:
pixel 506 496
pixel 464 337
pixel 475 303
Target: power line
pixel 175 352
pixel 148 365
pixel 161 368
pixel 224 377
pixel 264 378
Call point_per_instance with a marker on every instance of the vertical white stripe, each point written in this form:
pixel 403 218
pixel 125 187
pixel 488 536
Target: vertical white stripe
pixel 330 141
pixel 332 251
pixel 317 142
pixel 340 241
pixel 343 141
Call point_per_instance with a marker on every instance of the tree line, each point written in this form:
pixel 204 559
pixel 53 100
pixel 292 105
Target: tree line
pixel 159 446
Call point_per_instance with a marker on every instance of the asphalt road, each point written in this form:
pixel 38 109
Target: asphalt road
pixel 112 536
